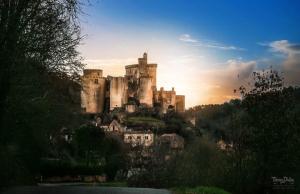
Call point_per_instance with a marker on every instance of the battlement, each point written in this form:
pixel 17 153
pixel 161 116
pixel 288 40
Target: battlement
pixel 151 65
pixel 93 72
pixel 137 65
pixel 131 66
pixel 106 93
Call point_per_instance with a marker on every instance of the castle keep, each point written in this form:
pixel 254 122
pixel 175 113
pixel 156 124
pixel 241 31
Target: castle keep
pixel 136 88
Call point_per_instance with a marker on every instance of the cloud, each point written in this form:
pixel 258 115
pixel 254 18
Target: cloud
pixel 225 78
pixel 241 69
pixel 218 46
pixel 208 44
pixel 291 63
pixel 187 59
pixel 284 46
pixel 187 38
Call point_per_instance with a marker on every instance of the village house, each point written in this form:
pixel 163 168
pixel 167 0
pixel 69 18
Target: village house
pixel 223 145
pixel 173 141
pixel 115 126
pixel 136 138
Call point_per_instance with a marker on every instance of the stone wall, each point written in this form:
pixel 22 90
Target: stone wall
pixel 117 92
pixel 132 71
pixel 165 99
pixel 93 91
pixel 151 71
pixel 145 93
pixel 180 103
pixel 142 69
pixel 138 84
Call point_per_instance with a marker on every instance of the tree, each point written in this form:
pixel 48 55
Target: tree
pixel 39 60
pixel 95 149
pixel 271 135
pixel 89 142
pixel 43 32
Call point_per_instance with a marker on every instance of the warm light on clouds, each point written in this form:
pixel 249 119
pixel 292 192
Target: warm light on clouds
pixel 204 60
pixel 291 59
pixel 207 43
pixel 184 73
pixel 191 70
pixel 187 38
pixel 199 78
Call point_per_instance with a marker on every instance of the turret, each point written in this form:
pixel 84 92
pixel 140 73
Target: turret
pixel 93 91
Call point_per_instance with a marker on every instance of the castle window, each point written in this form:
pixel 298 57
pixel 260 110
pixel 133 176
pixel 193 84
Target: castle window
pixel 146 137
pixel 129 137
pixel 96 94
pixel 138 137
pixel 96 81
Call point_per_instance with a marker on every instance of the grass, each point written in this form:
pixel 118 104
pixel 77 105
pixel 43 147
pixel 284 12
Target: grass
pixel 199 190
pixel 113 184
pixel 150 121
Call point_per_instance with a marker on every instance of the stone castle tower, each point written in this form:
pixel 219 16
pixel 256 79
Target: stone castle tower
pixel 144 76
pixel 137 87
pixel 93 90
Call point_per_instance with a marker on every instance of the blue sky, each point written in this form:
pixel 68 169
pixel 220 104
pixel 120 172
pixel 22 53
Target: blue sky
pixel 199 45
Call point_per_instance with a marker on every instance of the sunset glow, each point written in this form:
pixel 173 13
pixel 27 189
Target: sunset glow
pixel 202 61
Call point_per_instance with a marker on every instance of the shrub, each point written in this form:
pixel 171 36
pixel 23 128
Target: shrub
pixel 199 190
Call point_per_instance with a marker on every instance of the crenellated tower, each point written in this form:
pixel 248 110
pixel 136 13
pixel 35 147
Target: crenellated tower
pixel 139 85
pixel 92 91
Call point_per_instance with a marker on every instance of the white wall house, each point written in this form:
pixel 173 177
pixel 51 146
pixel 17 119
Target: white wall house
pixel 135 138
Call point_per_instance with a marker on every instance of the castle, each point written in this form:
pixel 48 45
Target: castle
pixel 137 88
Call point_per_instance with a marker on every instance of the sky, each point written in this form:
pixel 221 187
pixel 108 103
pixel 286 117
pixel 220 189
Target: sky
pixel 203 48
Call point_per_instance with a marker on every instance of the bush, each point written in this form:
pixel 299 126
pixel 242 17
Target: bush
pixel 60 168
pixel 145 121
pixel 199 190
pixel 202 163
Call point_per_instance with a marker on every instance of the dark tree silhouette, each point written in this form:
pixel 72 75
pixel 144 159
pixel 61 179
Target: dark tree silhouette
pixel 46 32
pixel 38 61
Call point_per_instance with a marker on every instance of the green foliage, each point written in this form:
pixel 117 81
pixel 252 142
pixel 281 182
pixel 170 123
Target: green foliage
pixel 95 149
pixel 88 141
pixel 62 168
pixel 145 121
pixel 36 108
pixel 265 135
pixel 113 184
pixel 201 164
pixel 199 190
pixel 39 63
pixel 214 120
pixel 263 129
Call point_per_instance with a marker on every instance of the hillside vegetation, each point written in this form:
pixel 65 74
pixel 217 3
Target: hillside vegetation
pixel 145 121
